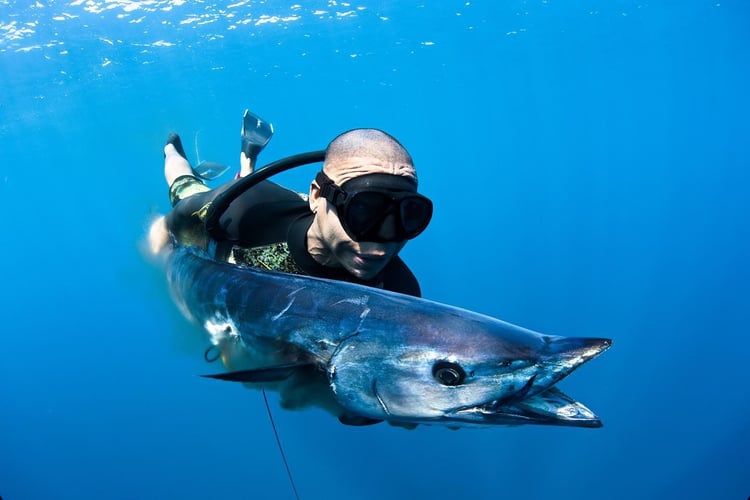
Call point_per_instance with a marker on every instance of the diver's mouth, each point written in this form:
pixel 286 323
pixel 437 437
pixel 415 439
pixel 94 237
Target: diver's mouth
pixel 368 260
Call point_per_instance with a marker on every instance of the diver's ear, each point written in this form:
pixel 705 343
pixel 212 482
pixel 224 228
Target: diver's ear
pixel 314 197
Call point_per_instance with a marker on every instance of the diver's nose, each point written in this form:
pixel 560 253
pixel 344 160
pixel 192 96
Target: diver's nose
pixel 389 226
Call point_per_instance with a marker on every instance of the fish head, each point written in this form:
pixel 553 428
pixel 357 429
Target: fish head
pixel 491 373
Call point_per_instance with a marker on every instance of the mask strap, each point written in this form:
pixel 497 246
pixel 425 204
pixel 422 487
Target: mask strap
pixel 328 189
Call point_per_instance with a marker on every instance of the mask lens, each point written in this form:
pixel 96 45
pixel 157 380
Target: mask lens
pixel 389 212
pixel 383 217
pixel 365 212
pixel 416 212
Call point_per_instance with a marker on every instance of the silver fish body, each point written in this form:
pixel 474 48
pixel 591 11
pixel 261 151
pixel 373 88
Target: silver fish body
pixel 380 355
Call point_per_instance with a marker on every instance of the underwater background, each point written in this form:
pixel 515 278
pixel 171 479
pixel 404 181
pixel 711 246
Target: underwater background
pixel 588 161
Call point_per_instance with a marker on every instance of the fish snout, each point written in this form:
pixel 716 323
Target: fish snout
pixel 561 356
pixel 581 349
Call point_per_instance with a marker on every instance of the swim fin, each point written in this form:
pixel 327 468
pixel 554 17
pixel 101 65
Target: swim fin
pixel 175 141
pixel 255 135
pixel 210 170
pixel 207 170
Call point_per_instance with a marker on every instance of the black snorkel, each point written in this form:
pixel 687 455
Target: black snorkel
pixel 221 203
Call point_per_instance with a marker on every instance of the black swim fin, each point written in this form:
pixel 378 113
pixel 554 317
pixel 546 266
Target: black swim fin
pixel 267 374
pixel 209 170
pixel 175 141
pixel 255 134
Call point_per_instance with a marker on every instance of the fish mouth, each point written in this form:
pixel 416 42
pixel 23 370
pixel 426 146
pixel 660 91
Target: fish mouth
pixel 549 407
pixel 539 401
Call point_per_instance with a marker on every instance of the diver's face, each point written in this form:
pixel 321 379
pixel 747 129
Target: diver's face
pixel 361 259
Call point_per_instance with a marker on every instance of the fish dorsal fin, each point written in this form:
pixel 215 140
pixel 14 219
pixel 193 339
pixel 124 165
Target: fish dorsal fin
pixel 265 374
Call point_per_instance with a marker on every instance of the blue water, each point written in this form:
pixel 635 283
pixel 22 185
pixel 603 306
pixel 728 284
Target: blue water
pixel 589 165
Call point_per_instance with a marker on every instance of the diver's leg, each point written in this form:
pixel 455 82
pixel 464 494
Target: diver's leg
pixel 175 166
pixel 181 179
pixel 247 165
pixel 175 160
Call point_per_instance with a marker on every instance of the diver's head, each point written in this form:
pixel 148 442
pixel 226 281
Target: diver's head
pixel 366 151
pixel 365 203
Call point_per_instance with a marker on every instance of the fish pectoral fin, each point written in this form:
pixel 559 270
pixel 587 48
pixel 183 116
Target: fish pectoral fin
pixel 266 374
pixel 357 421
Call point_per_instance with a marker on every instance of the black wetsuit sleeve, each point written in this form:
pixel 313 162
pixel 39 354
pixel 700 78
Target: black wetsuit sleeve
pixel 255 218
pixel 397 277
pixel 262 215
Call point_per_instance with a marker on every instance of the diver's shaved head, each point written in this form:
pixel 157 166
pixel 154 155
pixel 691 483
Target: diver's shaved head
pixel 368 142
pixel 365 151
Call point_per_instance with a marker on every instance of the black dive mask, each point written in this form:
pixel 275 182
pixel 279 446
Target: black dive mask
pixel 379 208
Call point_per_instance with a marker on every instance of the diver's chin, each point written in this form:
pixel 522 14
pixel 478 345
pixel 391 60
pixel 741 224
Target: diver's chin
pixel 365 266
pixel 363 273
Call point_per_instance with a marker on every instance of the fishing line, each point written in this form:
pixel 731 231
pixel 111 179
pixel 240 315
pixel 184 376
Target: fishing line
pixel 281 448
pixel 197 153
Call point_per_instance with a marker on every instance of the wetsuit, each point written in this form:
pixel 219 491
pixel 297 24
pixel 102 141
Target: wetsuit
pixel 266 227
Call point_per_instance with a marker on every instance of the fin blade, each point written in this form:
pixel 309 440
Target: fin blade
pixel 210 170
pixel 256 133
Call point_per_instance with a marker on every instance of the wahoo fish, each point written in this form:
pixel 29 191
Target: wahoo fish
pixel 368 355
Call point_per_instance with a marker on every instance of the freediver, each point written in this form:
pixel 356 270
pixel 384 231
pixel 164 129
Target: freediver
pixel 362 208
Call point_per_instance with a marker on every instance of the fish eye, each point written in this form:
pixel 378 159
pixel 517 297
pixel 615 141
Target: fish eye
pixel 448 373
